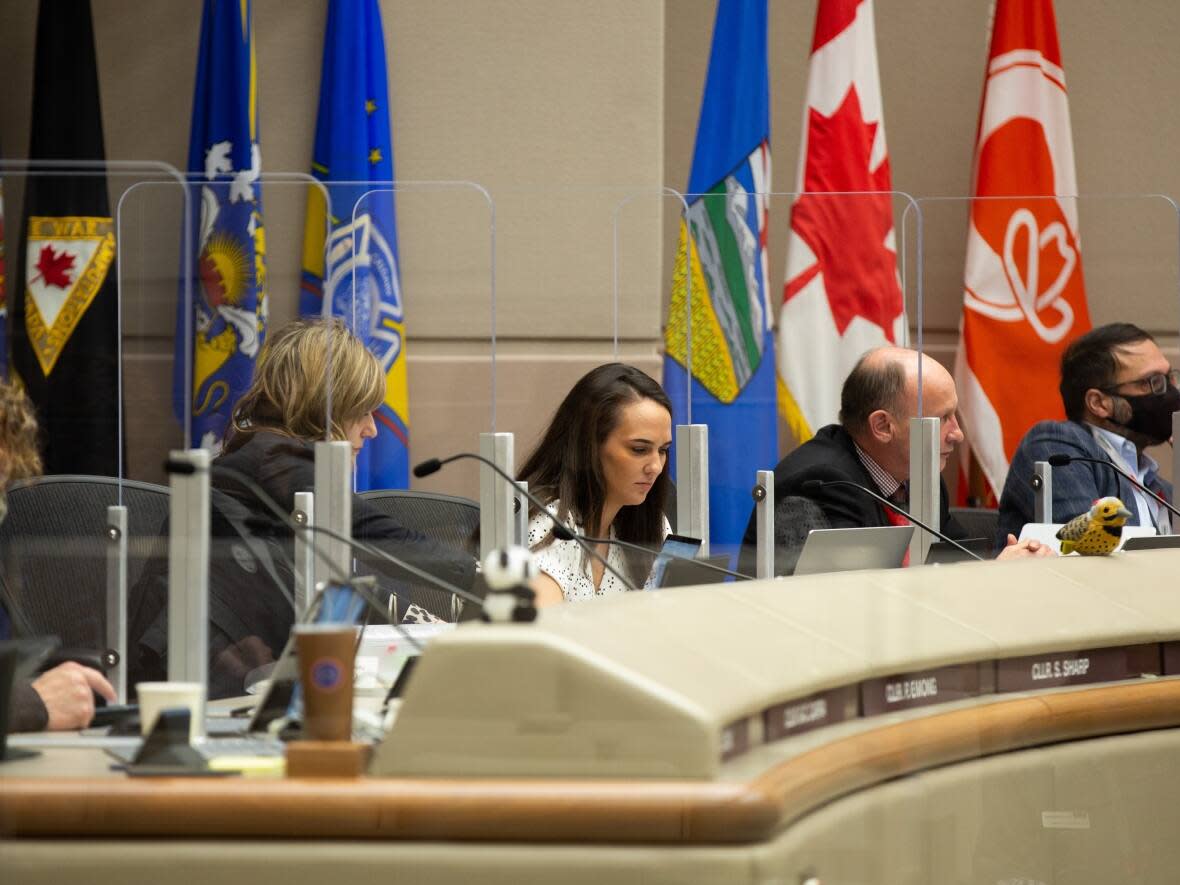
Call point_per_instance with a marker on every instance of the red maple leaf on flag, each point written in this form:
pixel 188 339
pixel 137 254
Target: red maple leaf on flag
pixel 54 267
pixel 847 233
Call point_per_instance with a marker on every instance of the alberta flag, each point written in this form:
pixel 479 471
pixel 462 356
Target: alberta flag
pixel 350 260
pixel 229 269
pixel 724 231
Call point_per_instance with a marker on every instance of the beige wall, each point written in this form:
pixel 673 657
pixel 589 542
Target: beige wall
pixel 571 115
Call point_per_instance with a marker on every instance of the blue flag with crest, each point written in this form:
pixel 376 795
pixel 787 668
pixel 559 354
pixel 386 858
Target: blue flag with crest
pixel 350 256
pixel 723 252
pixel 228 320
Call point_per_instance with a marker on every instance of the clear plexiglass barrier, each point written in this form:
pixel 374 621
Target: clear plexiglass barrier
pixel 854 721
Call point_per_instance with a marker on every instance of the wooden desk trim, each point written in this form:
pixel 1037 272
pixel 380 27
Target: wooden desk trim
pixel 574 810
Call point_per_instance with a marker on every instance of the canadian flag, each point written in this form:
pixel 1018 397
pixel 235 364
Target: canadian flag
pixel 842 295
pixel 1024 298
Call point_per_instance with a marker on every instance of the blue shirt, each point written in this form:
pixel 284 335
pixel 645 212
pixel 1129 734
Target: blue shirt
pixel 1144 468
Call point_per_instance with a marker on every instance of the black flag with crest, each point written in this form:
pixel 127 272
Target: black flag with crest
pixel 65 332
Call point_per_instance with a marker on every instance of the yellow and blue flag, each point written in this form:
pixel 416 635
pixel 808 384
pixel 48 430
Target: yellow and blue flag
pixel 229 267
pixel 724 231
pixel 350 257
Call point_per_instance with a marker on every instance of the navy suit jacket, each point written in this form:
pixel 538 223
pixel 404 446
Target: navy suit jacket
pixel 1075 486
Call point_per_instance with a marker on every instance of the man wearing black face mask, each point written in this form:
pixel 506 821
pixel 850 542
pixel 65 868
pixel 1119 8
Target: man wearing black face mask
pixel 1119 392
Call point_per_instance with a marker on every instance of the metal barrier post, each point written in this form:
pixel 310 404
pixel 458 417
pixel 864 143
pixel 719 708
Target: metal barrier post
pixel 304 515
pixel 333 501
pixel 692 482
pixel 116 638
pixel 188 569
pixel 496 526
pixel 764 524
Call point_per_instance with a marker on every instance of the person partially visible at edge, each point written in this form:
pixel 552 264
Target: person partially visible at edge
pixel 602 470
pixel 1119 393
pixel 271 440
pixel 64 696
pixel 871 447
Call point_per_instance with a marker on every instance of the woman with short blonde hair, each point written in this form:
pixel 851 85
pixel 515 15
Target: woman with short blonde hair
pixel 306 369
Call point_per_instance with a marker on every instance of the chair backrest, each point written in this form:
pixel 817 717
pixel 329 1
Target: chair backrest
pixel 53 546
pixel 977 522
pixel 448 519
pixel 794 519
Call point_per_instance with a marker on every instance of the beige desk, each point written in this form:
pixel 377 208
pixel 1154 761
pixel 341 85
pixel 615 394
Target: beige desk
pixel 63 810
pixel 648 740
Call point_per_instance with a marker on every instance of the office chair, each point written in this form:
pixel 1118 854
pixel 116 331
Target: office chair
pixel 450 520
pixel 794 519
pixel 53 544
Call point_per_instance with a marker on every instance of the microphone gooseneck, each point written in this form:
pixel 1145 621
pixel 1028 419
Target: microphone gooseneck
pixel 561 532
pixel 427 467
pixel 1061 460
pixel 267 501
pixel 702 563
pixel 185 469
pixel 814 485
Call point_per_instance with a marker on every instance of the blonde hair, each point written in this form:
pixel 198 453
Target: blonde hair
pixel 290 390
pixel 20 456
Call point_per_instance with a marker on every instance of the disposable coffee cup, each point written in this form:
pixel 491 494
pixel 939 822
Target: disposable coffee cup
pixel 157 696
pixel 326 656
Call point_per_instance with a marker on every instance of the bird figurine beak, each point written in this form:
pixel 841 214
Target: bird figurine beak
pixel 1124 513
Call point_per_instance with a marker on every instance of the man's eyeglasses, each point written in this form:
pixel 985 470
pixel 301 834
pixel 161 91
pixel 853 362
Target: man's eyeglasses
pixel 1158 382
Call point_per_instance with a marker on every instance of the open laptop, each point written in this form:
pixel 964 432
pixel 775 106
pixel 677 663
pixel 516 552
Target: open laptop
pixel 678 545
pixel 942 553
pixel 281 700
pixel 690 573
pixel 1151 542
pixel 841 550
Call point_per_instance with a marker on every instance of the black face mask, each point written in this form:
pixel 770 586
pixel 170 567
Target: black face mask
pixel 1151 414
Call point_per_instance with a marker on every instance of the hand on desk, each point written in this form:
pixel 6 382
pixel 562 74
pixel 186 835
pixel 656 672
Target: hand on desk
pixel 68 691
pixel 1024 549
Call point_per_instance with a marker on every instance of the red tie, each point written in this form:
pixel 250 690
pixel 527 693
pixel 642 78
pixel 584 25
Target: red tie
pixel 898 519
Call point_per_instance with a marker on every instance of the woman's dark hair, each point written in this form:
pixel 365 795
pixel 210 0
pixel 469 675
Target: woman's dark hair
pixel 566 465
pixel 1092 361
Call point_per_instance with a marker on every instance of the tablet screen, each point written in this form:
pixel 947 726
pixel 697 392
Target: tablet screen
pixel 677 545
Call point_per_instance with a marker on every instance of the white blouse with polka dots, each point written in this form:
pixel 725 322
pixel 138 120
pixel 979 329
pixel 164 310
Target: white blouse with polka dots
pixel 562 560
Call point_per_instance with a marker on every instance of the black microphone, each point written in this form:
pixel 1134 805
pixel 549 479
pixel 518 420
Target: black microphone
pixel 814 485
pixel 561 532
pixel 1063 460
pixel 669 554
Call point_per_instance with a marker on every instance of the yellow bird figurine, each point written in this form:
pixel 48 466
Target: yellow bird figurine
pixel 1097 531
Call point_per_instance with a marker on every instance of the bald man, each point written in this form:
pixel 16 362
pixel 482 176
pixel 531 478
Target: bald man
pixel 871 444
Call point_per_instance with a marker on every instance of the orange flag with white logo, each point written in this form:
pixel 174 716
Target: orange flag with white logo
pixel 1024 298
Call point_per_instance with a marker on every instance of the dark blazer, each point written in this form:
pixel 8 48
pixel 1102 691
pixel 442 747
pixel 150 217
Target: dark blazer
pixel 831 455
pixel 1075 486
pixel 26 710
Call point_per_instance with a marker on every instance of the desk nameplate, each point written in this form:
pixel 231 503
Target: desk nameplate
pixel 1083 667
pixel 921 688
pixel 735 739
pixel 803 714
pixel 1171 656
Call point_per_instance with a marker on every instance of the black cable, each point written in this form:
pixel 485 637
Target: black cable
pixel 561 532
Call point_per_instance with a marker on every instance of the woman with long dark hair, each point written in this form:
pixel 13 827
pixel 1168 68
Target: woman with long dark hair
pixel 602 469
